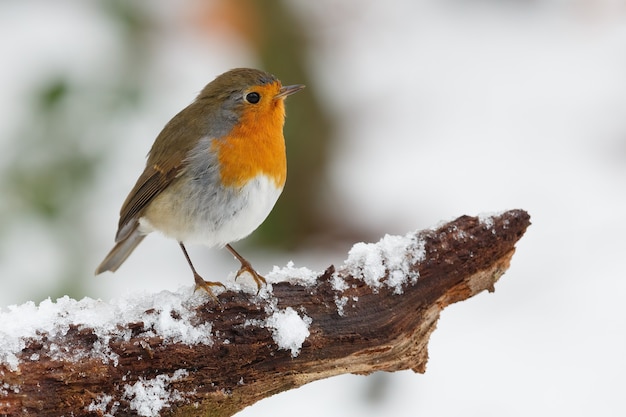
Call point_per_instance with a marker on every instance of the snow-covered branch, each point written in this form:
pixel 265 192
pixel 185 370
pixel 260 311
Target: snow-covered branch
pixel 183 354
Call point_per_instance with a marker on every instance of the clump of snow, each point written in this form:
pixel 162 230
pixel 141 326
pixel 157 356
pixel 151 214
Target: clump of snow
pixel 341 302
pixel 289 330
pixel 169 315
pixel 149 396
pixel 486 219
pixel 296 276
pixel 289 273
pixel 390 257
pixel 6 388
pixel 166 314
pixel 338 283
pixel 100 405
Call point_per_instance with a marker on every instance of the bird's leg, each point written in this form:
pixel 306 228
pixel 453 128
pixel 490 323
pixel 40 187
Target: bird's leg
pixel 247 267
pixel 200 282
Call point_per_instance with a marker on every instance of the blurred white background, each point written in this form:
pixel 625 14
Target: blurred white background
pixel 441 108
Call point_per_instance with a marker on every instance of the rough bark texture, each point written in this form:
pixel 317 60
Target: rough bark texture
pixel 378 330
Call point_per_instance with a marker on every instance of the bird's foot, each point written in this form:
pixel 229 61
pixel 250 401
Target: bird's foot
pixel 258 278
pixel 206 285
pixel 247 267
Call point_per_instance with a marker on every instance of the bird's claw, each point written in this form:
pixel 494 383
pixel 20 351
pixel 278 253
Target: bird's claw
pixel 206 285
pixel 258 278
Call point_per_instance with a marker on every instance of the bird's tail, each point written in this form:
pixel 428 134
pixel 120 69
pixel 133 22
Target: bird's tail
pixel 121 251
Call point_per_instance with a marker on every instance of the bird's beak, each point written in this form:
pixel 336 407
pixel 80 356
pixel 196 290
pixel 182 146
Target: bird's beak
pixel 289 90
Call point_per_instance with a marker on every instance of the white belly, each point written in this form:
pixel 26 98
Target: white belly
pixel 193 214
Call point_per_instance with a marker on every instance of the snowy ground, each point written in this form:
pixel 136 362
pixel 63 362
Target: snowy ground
pixel 464 108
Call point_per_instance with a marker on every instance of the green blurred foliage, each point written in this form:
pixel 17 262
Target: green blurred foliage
pixel 48 170
pixel 57 149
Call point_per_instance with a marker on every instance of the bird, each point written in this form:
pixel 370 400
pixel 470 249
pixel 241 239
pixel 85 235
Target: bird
pixel 214 172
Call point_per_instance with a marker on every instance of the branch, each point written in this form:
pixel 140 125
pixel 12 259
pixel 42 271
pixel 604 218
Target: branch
pixel 183 354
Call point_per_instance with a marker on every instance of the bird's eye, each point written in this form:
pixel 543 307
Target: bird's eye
pixel 253 97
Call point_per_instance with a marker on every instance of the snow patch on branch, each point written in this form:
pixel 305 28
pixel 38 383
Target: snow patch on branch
pixel 387 262
pixel 104 405
pixel 296 276
pixel 165 314
pixel 488 220
pixel 289 330
pixel 149 396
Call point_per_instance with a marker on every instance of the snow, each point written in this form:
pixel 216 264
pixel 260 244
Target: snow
pixel 289 329
pixel 341 302
pixel 101 405
pixel 149 396
pixel 386 262
pixel 165 313
pixel 486 219
pixel 338 283
pixel 390 257
pixel 288 273
pixel 291 274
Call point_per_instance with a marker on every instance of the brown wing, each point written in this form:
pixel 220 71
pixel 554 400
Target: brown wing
pixel 154 179
pixel 164 163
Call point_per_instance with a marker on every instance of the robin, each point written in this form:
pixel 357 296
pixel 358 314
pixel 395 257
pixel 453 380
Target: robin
pixel 214 172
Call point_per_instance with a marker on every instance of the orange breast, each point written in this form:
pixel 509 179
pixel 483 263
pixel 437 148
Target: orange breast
pixel 256 145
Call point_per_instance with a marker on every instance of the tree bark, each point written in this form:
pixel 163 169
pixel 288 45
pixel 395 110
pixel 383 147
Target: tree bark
pixel 357 323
